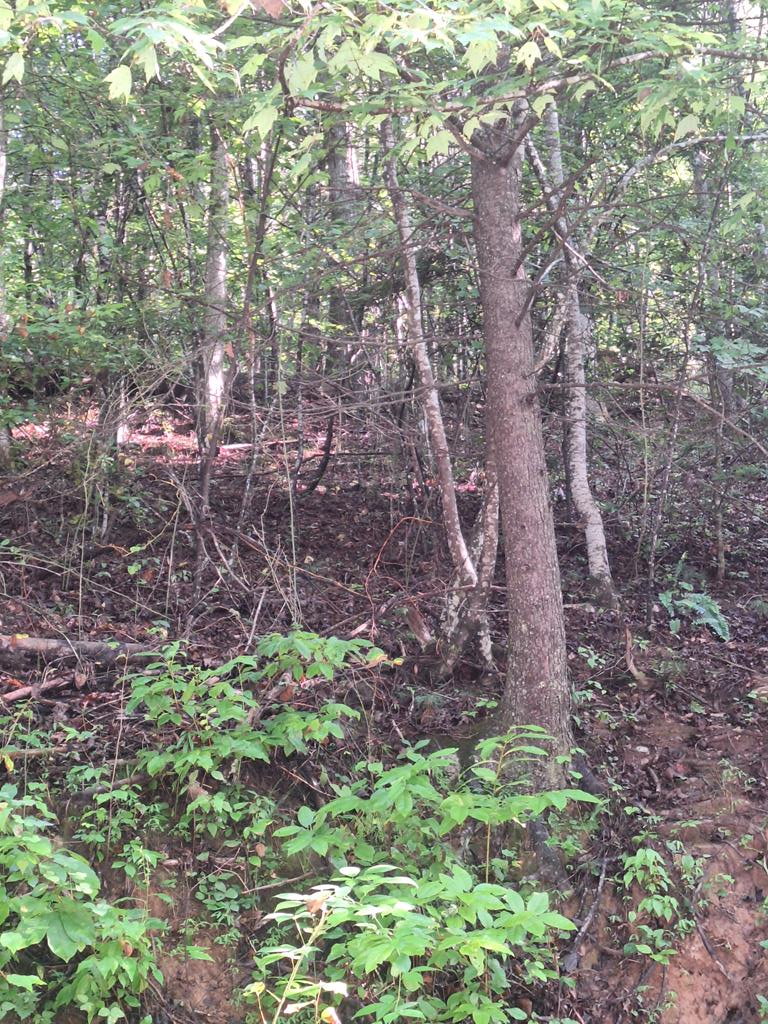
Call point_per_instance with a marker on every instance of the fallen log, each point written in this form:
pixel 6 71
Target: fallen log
pixel 96 650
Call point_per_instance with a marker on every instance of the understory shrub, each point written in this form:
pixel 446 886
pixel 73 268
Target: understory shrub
pixel 61 945
pixel 420 917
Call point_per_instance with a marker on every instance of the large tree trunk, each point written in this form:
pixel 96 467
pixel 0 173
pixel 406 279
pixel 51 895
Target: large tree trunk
pixel 579 331
pixel 213 345
pixel 536 690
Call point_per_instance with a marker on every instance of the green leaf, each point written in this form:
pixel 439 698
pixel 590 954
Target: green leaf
pixel 253 64
pixel 301 74
pixel 261 121
pixel 14 68
pixel 687 125
pixel 439 144
pixel 482 52
pixel 373 64
pixel 146 56
pixel 97 42
pixel 70 931
pixel 540 104
pixel 538 903
pixel 197 953
pixel 306 816
pixel 528 54
pixel 120 82
pixel 583 89
pixel 25 981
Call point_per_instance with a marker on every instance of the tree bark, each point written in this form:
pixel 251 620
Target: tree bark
pixel 345 208
pixel 213 346
pixel 578 339
pixel 97 650
pixel 720 377
pixel 536 691
pixel 5 430
pixel 466 613
pixel 438 442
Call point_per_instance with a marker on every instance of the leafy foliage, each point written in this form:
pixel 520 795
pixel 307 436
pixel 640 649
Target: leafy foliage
pixel 411 924
pixel 682 601
pixel 213 712
pixel 60 944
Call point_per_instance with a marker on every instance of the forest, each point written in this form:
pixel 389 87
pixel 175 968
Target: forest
pixel 383 511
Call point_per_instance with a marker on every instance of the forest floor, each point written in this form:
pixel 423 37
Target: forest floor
pixel 678 735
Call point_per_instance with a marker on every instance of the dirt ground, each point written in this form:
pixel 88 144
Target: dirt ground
pixel 680 740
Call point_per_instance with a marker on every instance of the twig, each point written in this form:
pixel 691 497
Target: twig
pixel 279 882
pixel 571 959
pixel 33 691
pixel 710 949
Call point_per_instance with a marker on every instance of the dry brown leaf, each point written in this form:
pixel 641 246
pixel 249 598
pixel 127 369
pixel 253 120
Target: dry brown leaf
pixel 270 7
pixel 316 902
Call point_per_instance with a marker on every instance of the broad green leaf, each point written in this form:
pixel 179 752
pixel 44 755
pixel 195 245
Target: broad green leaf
pixel 347 57
pixel 687 125
pixel 528 54
pixel 70 930
pixel 540 104
pixel 146 56
pixel 373 64
pixel 14 68
pixel 583 89
pixel 261 121
pixel 439 144
pixel 302 73
pixel 306 816
pixel 253 64
pixel 97 42
pixel 481 52
pixel 25 981
pixel 538 902
pixel 120 82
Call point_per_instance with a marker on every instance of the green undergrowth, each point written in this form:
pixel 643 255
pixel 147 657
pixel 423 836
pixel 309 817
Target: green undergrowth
pixel 415 898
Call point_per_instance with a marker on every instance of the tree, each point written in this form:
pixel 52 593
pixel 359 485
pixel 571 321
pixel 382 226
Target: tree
pixel 537 688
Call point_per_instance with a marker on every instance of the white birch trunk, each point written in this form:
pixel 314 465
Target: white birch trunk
pixel 578 343
pixel 213 349
pixel 438 441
